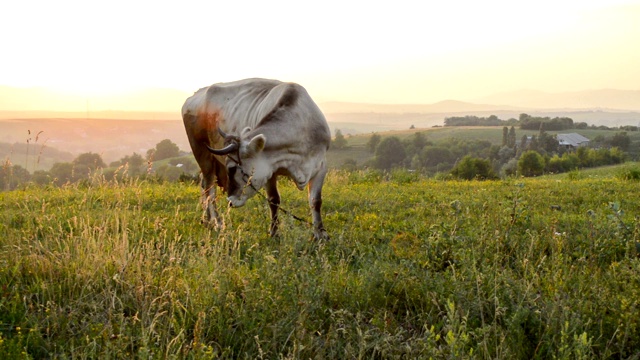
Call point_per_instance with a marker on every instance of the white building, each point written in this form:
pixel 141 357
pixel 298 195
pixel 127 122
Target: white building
pixel 571 140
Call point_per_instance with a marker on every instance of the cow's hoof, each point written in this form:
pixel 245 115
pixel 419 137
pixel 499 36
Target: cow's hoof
pixel 321 235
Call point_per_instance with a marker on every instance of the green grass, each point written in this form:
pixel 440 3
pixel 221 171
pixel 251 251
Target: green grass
pixel 416 268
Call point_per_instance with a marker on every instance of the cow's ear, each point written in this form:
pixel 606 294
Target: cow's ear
pixel 256 144
pixel 244 131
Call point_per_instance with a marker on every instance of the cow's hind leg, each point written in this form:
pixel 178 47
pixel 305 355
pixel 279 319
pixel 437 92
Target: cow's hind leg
pixel 315 202
pixel 273 196
pixel 210 215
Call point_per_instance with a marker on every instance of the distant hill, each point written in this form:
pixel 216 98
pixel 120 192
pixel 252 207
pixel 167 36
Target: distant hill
pixel 521 100
pixel 603 99
pixel 446 106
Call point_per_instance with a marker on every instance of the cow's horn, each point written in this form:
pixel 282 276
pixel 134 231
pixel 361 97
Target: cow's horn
pixel 222 133
pixel 225 150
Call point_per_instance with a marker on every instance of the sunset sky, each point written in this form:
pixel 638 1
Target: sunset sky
pixel 359 51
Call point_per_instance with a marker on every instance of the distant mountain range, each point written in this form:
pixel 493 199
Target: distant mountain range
pixel 521 100
pixel 604 99
pixel 599 107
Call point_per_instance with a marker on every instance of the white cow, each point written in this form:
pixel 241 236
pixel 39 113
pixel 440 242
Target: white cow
pixel 244 134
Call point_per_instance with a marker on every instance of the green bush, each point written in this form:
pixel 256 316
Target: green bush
pixel 470 168
pixel 629 173
pixel 531 164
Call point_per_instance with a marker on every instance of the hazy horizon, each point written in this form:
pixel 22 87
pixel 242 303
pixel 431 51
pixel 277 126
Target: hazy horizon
pixel 165 104
pixel 401 53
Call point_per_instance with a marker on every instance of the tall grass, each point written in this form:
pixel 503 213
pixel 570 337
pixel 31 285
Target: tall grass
pixel 416 268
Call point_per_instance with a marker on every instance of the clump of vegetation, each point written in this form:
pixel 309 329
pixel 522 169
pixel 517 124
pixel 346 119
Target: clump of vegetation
pixel 629 173
pixel 470 168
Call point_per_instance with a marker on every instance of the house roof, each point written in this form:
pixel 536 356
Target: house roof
pixel 572 139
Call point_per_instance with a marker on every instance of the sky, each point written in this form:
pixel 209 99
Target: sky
pixel 356 51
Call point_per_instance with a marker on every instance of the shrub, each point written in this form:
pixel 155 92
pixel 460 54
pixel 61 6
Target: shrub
pixel 531 164
pixel 629 173
pixel 389 153
pixel 470 168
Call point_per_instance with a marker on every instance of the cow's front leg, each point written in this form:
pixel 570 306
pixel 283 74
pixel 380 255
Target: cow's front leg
pixel 274 202
pixel 210 216
pixel 315 202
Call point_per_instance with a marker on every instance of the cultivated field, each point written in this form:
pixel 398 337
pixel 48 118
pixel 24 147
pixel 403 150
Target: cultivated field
pixel 416 268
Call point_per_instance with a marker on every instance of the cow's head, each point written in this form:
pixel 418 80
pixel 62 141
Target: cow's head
pixel 247 170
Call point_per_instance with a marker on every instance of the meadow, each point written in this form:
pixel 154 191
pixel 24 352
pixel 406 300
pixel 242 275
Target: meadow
pixel 415 268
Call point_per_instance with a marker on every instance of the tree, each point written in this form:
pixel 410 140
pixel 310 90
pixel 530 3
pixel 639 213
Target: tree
pixel 164 149
pixel 505 154
pixel 41 177
pixel 435 155
pixel 505 136
pixel 389 153
pixel 12 175
pixel 134 162
pixel 413 145
pixel 85 164
pixel 61 173
pixel 533 144
pixel 546 142
pixel 470 168
pixel 89 160
pixel 339 142
pixel 511 140
pixel 531 164
pixel 524 141
pixel 621 140
pixel 373 142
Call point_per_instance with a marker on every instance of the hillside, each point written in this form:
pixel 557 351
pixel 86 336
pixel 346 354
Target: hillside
pixel 603 99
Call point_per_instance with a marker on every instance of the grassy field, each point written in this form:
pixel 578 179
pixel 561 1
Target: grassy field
pixel 416 268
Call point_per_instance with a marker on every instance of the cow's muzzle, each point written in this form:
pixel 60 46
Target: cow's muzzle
pixel 235 201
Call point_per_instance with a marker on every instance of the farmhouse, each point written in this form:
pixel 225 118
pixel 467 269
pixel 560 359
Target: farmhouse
pixel 572 140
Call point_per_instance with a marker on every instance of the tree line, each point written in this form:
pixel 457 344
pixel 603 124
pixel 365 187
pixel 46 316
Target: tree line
pixel 528 122
pixel 180 166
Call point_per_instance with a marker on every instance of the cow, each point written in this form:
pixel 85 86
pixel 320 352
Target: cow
pixel 247 133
